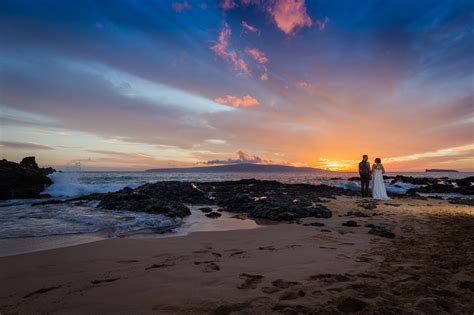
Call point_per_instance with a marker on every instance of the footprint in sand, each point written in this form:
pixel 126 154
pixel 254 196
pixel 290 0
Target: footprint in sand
pixel 41 291
pixel 154 266
pixel 291 309
pixel 283 284
pixel 105 280
pixel 291 295
pixel 237 253
pixel 211 267
pixel 204 251
pixel 293 246
pixel 327 277
pixel 364 259
pixel 204 262
pixel 130 261
pixel 270 290
pixel 250 281
pixel 270 248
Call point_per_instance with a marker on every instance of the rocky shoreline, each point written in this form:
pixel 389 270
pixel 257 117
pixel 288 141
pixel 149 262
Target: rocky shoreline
pixel 260 199
pixel 24 179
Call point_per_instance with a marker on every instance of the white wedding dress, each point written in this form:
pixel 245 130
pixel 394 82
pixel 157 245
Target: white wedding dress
pixel 378 186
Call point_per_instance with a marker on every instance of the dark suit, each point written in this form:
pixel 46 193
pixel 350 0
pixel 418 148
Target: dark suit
pixel 364 172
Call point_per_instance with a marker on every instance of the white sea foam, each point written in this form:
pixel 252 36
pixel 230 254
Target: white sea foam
pixel 398 187
pixel 68 184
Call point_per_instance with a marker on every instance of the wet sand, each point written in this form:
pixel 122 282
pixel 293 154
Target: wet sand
pixel 285 268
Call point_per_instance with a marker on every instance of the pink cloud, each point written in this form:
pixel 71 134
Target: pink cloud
pixel 290 15
pixel 228 4
pixel 249 27
pixel 181 6
pixel 257 55
pixel 235 101
pixel 221 49
pixel 322 24
pixel 264 76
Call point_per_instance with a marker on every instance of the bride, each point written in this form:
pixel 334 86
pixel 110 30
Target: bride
pixel 378 185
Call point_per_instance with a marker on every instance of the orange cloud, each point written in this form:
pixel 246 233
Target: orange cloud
pixel 290 15
pixel 245 101
pixel 257 55
pixel 221 49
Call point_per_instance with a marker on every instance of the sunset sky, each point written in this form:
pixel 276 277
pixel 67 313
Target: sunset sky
pixel 140 84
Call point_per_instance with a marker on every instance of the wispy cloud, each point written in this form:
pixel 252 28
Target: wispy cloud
pixel 235 101
pixel 258 55
pixel 216 141
pixel 221 48
pixel 24 145
pixel 322 24
pixel 290 15
pixel 449 152
pixel 250 28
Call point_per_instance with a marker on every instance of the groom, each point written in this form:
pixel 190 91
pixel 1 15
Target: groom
pixel 364 172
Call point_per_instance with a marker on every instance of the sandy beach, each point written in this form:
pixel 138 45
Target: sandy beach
pixel 287 268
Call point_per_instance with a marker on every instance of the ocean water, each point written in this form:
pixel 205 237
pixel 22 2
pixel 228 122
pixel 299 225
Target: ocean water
pixel 67 224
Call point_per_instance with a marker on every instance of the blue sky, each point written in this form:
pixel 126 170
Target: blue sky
pixel 138 84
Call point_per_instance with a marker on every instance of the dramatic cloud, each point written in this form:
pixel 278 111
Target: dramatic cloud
pixel 23 145
pixel 250 27
pixel 79 77
pixel 243 158
pixel 181 6
pixel 222 50
pixel 245 101
pixel 257 55
pixel 290 15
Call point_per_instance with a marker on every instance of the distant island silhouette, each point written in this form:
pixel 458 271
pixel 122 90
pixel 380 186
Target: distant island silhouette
pixel 240 167
pixel 435 170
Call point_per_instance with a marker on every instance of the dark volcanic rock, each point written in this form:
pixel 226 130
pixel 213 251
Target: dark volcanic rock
pixel 468 181
pixel 464 190
pixel 351 305
pixel 23 180
pixel 461 201
pixel 433 188
pixel 213 215
pixel 380 231
pixel 350 223
pixel 415 180
pixel 258 199
pixel 206 209
pixel 138 200
pixel 314 224
pixel 281 208
pixel 368 204
pixel 273 200
pixel 358 214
